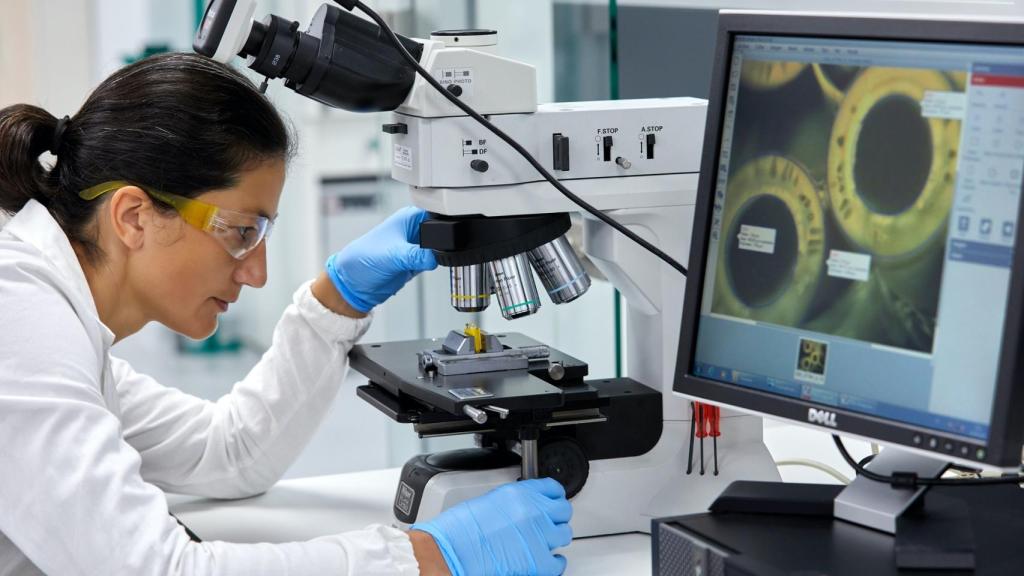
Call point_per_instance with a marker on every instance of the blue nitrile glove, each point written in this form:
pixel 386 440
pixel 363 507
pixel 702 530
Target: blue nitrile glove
pixel 511 530
pixel 377 264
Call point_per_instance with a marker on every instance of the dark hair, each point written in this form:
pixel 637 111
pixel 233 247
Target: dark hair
pixel 180 123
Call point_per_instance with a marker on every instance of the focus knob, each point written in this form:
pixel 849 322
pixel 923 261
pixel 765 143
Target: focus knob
pixel 564 460
pixel 479 165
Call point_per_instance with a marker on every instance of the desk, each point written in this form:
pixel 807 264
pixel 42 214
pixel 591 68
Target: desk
pixel 304 508
pixel 777 544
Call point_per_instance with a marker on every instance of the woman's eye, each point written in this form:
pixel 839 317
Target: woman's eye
pixel 244 231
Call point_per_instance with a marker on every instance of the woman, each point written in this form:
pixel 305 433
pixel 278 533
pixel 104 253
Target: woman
pixel 164 190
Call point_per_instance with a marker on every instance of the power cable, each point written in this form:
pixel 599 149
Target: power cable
pixel 912 480
pixel 411 60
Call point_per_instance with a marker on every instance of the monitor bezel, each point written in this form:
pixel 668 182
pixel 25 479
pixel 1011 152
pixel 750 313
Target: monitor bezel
pixel 1006 428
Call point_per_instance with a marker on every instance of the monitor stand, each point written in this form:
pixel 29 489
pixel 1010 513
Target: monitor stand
pixel 929 533
pixel 877 505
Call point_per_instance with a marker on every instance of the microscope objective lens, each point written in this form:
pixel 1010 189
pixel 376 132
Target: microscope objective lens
pixel 514 286
pixel 471 288
pixel 560 270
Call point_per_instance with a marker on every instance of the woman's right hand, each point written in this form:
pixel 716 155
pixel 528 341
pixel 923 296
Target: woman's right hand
pixel 373 267
pixel 510 530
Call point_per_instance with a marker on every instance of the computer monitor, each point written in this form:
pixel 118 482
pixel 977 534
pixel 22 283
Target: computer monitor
pixel 854 264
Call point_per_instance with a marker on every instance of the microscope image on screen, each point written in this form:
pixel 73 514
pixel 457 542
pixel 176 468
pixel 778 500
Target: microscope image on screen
pixel 810 362
pixel 835 209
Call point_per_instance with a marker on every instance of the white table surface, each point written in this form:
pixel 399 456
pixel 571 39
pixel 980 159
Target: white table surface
pixel 305 508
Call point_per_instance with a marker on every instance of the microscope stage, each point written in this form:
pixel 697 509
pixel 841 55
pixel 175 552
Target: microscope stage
pixel 395 367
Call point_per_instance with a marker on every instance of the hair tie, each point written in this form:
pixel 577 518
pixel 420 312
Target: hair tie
pixel 58 134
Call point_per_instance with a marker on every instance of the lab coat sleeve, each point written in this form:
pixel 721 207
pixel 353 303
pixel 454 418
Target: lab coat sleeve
pixel 241 444
pixel 72 498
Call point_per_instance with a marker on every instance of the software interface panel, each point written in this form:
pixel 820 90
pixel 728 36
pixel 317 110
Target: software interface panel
pixel 864 220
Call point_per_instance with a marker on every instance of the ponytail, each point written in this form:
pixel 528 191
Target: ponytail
pixel 25 133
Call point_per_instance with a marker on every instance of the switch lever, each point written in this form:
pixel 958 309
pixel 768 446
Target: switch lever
pixel 501 412
pixel 560 152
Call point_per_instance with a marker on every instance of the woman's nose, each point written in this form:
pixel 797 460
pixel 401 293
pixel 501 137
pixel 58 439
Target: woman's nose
pixel 252 270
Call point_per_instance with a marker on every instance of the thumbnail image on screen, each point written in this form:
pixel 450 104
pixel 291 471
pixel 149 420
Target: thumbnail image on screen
pixel 840 184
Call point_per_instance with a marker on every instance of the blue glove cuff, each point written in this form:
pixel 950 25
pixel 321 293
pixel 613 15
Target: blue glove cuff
pixel 454 566
pixel 354 301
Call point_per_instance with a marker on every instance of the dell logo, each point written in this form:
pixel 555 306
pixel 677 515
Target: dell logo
pixel 823 417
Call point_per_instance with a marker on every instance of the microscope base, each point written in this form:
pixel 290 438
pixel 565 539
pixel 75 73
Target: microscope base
pixel 623 494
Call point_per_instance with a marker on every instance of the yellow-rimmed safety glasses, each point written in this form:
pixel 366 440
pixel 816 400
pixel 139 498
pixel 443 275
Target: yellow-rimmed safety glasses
pixel 238 232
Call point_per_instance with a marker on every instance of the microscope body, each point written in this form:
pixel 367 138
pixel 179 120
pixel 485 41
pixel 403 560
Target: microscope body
pixel 639 162
pixel 620 446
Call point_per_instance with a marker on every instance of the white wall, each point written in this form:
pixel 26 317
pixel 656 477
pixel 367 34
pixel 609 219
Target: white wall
pixel 45 54
pixel 121 29
pixel 34 68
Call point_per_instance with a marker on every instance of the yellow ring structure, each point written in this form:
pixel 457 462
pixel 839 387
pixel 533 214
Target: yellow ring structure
pixel 828 86
pixel 766 75
pixel 891 234
pixel 785 180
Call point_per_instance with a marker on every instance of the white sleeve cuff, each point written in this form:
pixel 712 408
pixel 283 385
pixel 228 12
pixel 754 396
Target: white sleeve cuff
pixel 378 550
pixel 400 548
pixel 332 326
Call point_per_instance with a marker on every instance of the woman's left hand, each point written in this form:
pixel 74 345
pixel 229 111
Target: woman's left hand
pixel 377 264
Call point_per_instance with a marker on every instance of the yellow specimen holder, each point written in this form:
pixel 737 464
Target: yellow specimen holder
pixel 474 332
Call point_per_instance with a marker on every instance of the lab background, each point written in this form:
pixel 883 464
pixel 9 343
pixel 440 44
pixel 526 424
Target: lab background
pixel 52 52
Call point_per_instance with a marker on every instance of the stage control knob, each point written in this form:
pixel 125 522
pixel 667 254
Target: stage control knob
pixel 564 460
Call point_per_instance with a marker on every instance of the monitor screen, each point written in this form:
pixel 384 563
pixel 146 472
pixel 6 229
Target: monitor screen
pixel 863 223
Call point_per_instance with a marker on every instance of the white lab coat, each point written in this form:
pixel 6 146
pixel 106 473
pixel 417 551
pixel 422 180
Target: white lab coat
pixel 87 444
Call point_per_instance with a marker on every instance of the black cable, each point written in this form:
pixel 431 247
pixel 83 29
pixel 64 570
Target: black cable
pixel 693 433
pixel 912 480
pixel 347 4
pixel 865 460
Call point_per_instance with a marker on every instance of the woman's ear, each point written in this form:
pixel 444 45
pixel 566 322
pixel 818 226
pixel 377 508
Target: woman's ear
pixel 131 211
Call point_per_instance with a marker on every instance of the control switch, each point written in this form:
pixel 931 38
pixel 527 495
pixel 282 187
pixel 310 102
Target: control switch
pixel 560 152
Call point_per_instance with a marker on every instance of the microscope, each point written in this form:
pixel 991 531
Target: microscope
pixel 623 448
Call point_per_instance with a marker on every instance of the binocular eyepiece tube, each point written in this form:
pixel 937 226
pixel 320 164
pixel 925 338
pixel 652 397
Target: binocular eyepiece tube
pixel 511 280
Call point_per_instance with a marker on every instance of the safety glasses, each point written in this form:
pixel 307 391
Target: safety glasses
pixel 238 232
